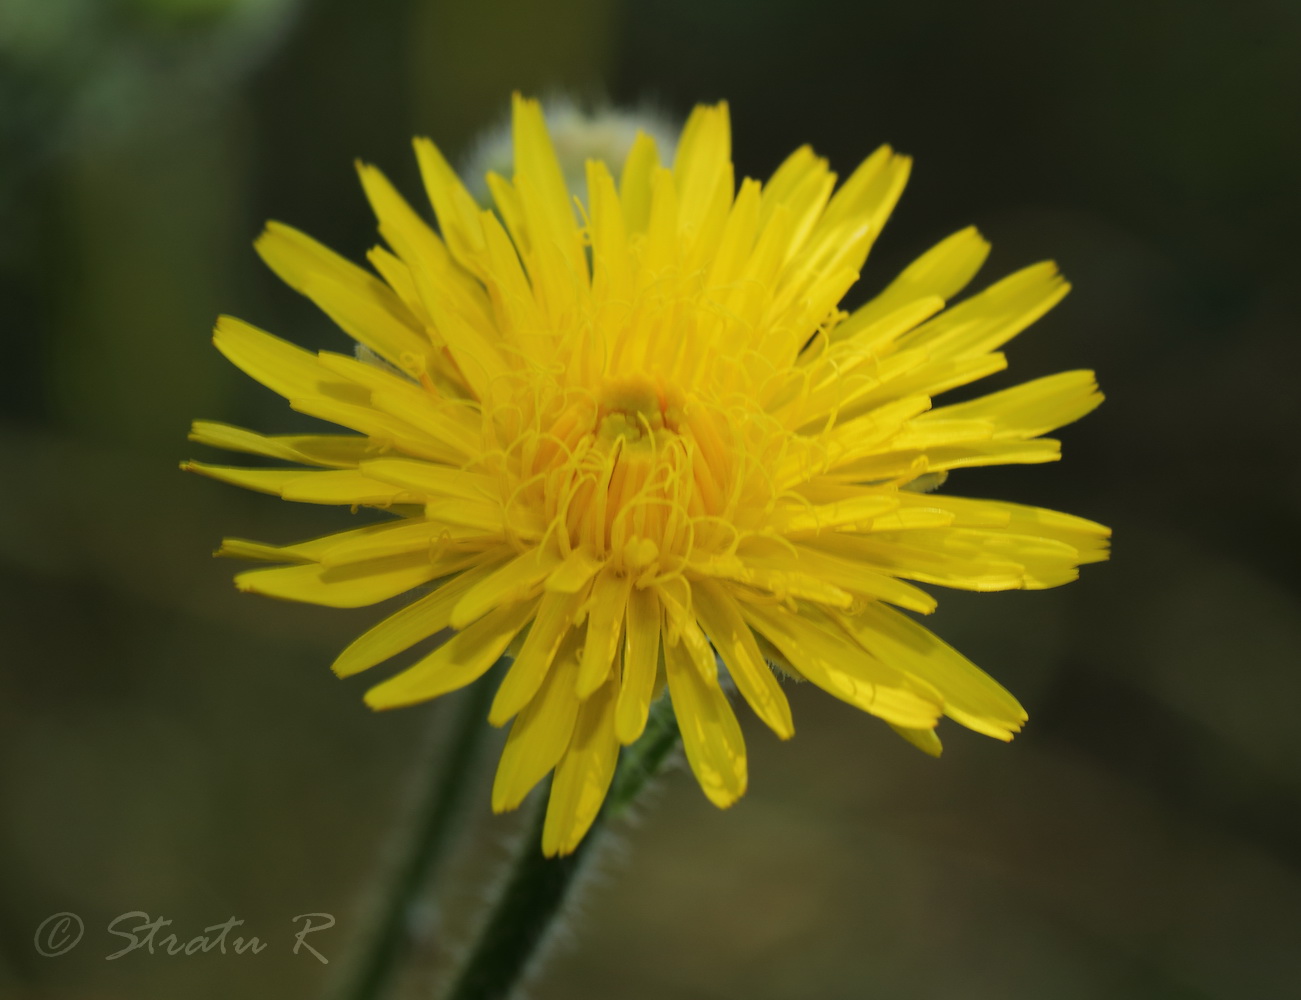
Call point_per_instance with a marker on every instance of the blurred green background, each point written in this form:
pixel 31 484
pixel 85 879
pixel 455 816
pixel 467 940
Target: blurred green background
pixel 169 746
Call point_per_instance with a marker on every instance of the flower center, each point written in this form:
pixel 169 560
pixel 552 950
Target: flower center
pixel 634 410
pixel 624 474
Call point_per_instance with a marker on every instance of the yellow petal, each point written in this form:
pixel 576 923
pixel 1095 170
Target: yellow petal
pixel 414 623
pixel 796 520
pixel 431 268
pixel 662 246
pixel 540 734
pixel 358 540
pixel 933 376
pixel 1029 409
pixel 457 211
pixel 583 777
pixel 516 580
pixel 352 586
pixel 486 516
pixel 635 182
pixel 611 263
pixel 334 486
pixel 438 542
pixel 641 654
pixel 450 423
pixel 711 735
pixel 825 655
pixel 990 319
pixel 834 573
pixel 338 450
pixel 471 340
pixel 605 616
pixel 541 184
pixel 465 657
pixel 578 567
pixel 364 307
pixel 276 363
pixel 737 240
pixel 514 300
pixel 388 432
pixel 927 558
pixel 911 463
pixel 556 613
pixel 1087 536
pixel 970 695
pixel 789 176
pixel 925 740
pixel 867 435
pixel 399 223
pixel 870 193
pixel 432 478
pixel 943 271
pixel 397 275
pixel 740 653
pixel 704 157
pixel 805 201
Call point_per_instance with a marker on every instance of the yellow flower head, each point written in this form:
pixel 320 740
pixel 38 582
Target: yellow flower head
pixel 634 442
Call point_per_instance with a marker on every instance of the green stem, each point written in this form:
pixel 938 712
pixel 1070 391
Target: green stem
pixel 431 830
pixel 535 893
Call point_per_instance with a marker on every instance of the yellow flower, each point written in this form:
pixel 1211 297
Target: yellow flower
pixel 635 443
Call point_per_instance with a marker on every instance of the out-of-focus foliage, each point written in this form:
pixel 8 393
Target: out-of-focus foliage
pixel 170 747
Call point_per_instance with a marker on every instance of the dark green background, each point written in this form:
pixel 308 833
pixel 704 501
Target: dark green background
pixel 167 745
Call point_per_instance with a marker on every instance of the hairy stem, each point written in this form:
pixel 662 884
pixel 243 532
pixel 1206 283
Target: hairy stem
pixel 430 836
pixel 537 889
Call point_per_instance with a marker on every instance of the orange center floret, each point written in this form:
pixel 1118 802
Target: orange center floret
pixel 634 407
pixel 628 473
